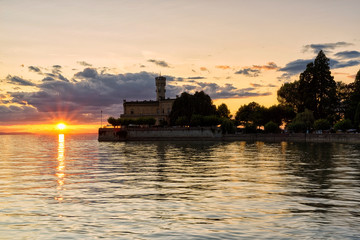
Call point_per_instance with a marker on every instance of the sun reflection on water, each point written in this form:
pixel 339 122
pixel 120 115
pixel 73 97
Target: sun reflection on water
pixel 60 173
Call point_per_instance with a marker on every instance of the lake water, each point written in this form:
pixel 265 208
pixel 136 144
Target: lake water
pixel 73 187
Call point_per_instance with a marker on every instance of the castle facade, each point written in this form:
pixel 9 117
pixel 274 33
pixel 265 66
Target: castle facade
pixel 159 109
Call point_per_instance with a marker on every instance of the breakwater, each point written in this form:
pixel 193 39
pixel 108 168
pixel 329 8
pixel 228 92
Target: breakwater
pixel 215 134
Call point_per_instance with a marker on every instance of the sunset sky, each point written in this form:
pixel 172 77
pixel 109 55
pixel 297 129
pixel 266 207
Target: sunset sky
pixel 68 60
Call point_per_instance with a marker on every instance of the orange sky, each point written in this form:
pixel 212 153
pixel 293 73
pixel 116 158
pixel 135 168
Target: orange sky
pixel 69 60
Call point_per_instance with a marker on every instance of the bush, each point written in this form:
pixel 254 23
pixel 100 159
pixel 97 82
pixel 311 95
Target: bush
pixel 297 127
pixel 343 125
pixel 227 126
pixel 250 128
pixel 322 124
pixel 182 121
pixel 196 120
pixel 211 121
pixel 271 127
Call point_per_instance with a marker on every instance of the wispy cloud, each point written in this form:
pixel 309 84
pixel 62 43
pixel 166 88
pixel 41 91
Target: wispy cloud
pixel 315 48
pixel 19 81
pixel 85 64
pixel 269 66
pixel 249 72
pixel 347 54
pixel 34 69
pixel 160 63
pixel 223 67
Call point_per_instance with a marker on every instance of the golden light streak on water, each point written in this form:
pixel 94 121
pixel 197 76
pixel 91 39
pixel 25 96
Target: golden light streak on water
pixel 61 166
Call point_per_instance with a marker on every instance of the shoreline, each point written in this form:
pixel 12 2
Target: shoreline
pixel 215 134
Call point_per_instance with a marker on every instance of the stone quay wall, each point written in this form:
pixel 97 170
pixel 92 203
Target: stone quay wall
pixel 215 134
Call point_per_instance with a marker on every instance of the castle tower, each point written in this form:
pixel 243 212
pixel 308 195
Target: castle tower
pixel 160 87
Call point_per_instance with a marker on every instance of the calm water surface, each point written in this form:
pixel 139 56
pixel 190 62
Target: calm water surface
pixel 73 187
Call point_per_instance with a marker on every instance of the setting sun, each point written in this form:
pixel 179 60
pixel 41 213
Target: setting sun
pixel 61 126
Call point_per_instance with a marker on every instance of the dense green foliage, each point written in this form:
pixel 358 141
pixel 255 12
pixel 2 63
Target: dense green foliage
pixel 223 111
pixel 322 124
pixel 149 121
pixel 343 125
pixel 188 105
pixel 271 127
pixel 315 90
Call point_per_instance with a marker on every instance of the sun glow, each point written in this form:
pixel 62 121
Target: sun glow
pixel 61 126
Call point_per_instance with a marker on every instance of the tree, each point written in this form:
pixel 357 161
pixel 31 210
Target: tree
pixel 302 122
pixel 321 124
pixel 188 105
pixel 354 98
pixel 251 113
pixel 223 111
pixel 279 114
pixel 317 88
pixel 343 125
pixel 357 116
pixel 271 127
pixel 288 95
pixel 113 121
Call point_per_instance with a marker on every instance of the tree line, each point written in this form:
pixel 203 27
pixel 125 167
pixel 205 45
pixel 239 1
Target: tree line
pixel 314 102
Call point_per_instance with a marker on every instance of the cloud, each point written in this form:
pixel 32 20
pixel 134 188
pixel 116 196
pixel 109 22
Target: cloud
pixel 334 64
pixel 256 85
pixel 203 69
pixel 196 78
pixel 85 64
pixel 34 69
pixel 159 62
pixel 249 72
pixel 94 90
pixel 315 48
pixel 347 54
pixel 229 91
pixel 19 81
pixel 295 67
pixel 223 67
pixel 269 66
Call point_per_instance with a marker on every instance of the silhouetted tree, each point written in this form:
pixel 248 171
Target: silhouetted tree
pixel 251 113
pixel 317 88
pixel 188 105
pixel 223 111
pixel 354 98
pixel 289 95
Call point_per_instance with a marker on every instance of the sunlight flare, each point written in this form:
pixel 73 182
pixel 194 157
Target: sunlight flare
pixel 61 126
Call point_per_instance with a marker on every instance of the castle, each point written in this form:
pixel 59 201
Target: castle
pixel 159 109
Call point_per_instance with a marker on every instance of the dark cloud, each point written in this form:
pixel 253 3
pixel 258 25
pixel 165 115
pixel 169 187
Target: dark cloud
pixel 347 54
pixel 229 91
pixel 334 64
pixel 81 101
pixel 196 78
pixel 34 69
pixel 56 66
pixel 296 66
pixel 19 81
pixel 249 72
pixel 256 85
pixel 325 46
pixel 85 64
pixel 159 62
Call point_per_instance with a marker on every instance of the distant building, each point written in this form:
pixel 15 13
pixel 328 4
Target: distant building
pixel 159 109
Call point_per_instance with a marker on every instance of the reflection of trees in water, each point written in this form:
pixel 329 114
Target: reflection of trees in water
pixel 313 161
pixel 324 172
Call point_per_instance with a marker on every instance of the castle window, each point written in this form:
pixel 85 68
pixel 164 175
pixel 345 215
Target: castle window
pixel 132 112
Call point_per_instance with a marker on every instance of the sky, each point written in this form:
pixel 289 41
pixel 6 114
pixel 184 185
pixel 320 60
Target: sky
pixel 69 60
